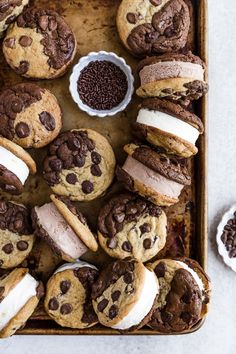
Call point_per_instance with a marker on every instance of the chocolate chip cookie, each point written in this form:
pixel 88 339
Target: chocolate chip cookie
pixel 40 44
pixel 129 226
pixel 64 228
pixel 153 174
pixel 174 76
pixel 16 234
pixel 29 115
pixel 169 126
pixel 19 296
pixel 150 27
pixel 68 296
pixel 15 166
pixel 9 10
pixel 184 295
pixel 80 164
pixel 124 295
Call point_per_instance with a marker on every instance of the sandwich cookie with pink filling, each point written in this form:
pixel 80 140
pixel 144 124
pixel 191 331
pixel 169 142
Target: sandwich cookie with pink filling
pixel 153 175
pixel 64 228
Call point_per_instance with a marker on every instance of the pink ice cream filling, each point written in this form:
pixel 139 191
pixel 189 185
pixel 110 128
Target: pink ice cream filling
pixel 60 231
pixel 171 69
pixel 152 179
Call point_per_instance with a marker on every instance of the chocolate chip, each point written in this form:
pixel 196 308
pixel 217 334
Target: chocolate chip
pixel 90 144
pixel 113 311
pixel 115 295
pixel 160 270
pixel 129 289
pixel 128 277
pixel 22 245
pixel 25 41
pixel 56 165
pixel 102 305
pixel 145 228
pixel 22 130
pixel 40 290
pixel 156 2
pixel 132 17
pixel 10 19
pixel 74 144
pixel 43 22
pixel 87 187
pixel 186 317
pixel 166 316
pixel 23 67
pixel 186 298
pixel 53 304
pixel 52 24
pixel 71 178
pixel 66 309
pixel 112 243
pixel 65 286
pixel 9 42
pixel 147 243
pixel 96 158
pixel 79 160
pixel 3 207
pixel 18 224
pixel 127 247
pixel 96 171
pixel 8 248
pixel 232 253
pixel 47 120
pixel 119 217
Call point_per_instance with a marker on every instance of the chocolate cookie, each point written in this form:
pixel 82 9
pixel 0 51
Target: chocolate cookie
pixel 153 26
pixel 80 164
pixel 29 115
pixel 40 44
pixel 9 10
pixel 16 234
pixel 129 226
pixel 124 295
pixel 68 296
pixel 169 126
pixel 19 296
pixel 153 174
pixel 174 76
pixel 15 166
pixel 64 228
pixel 184 295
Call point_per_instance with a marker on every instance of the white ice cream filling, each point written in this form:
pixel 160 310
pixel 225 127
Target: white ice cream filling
pixel 17 298
pixel 168 124
pixel 144 304
pixel 194 274
pixel 75 265
pixel 14 164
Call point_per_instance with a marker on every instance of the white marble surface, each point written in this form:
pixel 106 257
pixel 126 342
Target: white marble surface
pixel 217 335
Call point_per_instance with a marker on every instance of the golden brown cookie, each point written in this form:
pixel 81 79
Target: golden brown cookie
pixel 9 10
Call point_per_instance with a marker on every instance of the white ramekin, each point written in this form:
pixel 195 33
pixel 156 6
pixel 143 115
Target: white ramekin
pixel 231 262
pixel 83 62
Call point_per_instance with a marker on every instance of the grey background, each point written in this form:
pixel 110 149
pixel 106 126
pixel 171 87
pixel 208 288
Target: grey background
pixel 217 336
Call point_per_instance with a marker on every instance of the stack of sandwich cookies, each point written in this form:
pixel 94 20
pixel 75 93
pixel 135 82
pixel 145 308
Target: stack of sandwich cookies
pixel 40 44
pixel 19 296
pixel 16 234
pixel 183 297
pixel 152 26
pixel 168 125
pixel 155 176
pixel 124 295
pixel 15 166
pixel 9 10
pixel 129 226
pixel 80 164
pixel 68 295
pixel 30 115
pixel 64 228
pixel 174 76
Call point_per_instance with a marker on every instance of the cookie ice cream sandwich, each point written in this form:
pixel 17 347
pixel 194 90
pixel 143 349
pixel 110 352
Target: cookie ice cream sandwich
pixel 169 126
pixel 129 226
pixel 184 295
pixel 124 295
pixel 174 76
pixel 9 10
pixel 15 166
pixel 64 228
pixel 68 295
pixel 153 175
pixel 19 296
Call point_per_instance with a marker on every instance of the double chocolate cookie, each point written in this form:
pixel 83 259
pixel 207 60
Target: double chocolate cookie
pixel 129 226
pixel 80 164
pixel 124 295
pixel 40 44
pixel 184 295
pixel 154 175
pixel 16 234
pixel 174 76
pixel 153 26
pixel 29 115
pixel 9 10
pixel 68 296
pixel 169 126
